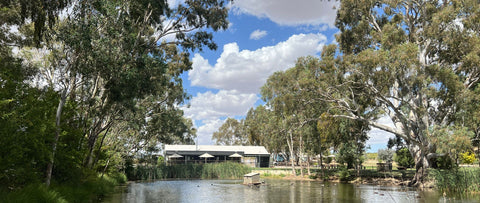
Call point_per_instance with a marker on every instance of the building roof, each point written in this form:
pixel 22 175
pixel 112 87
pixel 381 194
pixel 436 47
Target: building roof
pixel 245 150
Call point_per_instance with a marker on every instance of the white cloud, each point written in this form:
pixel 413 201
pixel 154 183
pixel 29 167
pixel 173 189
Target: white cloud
pixel 205 132
pixel 258 34
pixel 246 71
pixel 223 104
pixel 288 12
pixel 377 136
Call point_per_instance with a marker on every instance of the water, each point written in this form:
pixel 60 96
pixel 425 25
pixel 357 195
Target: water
pixel 272 191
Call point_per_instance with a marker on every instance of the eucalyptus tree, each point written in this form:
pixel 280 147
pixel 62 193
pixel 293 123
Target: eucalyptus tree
pixel 412 61
pixel 293 106
pixel 109 55
pixel 231 133
pixel 260 126
pixel 42 14
pixel 279 92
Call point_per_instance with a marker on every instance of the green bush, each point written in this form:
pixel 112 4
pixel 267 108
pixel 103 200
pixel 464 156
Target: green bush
pixel 404 158
pixel 444 162
pixel 344 174
pixel 87 190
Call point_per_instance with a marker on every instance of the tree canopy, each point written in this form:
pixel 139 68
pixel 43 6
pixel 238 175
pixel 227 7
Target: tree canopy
pixel 107 78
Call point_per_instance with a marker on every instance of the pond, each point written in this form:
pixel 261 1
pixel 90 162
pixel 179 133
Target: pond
pixel 273 190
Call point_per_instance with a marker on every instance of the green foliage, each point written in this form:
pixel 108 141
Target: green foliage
pixel 33 193
pixel 404 158
pixel 160 160
pixel 231 133
pixel 350 154
pixel 26 126
pixel 390 65
pixel 462 180
pixel 452 140
pixel 444 162
pixel 77 102
pixel 344 174
pixel 86 190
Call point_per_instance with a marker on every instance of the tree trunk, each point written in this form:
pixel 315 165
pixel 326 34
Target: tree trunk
pixel 290 148
pixel 100 146
pixel 301 157
pixel 321 165
pixel 61 104
pixel 421 165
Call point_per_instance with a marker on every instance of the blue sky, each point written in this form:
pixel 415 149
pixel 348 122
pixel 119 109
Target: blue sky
pixel 263 37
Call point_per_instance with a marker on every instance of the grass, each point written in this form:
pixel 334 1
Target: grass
pixel 459 180
pixel 90 189
pixel 33 193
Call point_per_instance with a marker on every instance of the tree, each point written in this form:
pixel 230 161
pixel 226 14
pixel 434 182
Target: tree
pixel 412 60
pixel 385 155
pixel 260 126
pixel 107 62
pixel 230 133
pixel 404 158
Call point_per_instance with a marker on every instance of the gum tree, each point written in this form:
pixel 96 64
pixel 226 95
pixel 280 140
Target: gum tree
pixel 415 60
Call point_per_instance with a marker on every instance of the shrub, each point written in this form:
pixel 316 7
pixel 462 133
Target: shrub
pixel 404 158
pixel 343 173
pixel 443 162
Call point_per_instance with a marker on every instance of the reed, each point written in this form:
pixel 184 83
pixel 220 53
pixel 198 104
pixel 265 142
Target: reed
pixel 226 170
pixel 459 180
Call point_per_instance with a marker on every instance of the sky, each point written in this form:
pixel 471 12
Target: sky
pixel 263 37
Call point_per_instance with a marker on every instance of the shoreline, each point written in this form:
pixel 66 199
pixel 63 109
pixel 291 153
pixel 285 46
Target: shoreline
pixel 388 181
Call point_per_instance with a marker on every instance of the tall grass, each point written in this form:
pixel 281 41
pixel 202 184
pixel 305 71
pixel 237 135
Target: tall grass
pixel 461 180
pixel 225 170
pixel 33 193
pixel 89 189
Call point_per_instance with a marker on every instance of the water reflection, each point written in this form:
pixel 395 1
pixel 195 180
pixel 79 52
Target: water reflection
pixel 273 191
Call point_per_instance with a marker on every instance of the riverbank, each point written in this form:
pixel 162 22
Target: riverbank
pixel 334 179
pixel 90 189
pixel 459 180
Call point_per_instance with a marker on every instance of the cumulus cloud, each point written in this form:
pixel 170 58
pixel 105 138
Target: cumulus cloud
pixel 258 34
pixel 288 12
pixel 223 104
pixel 205 132
pixel 246 71
pixel 208 108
